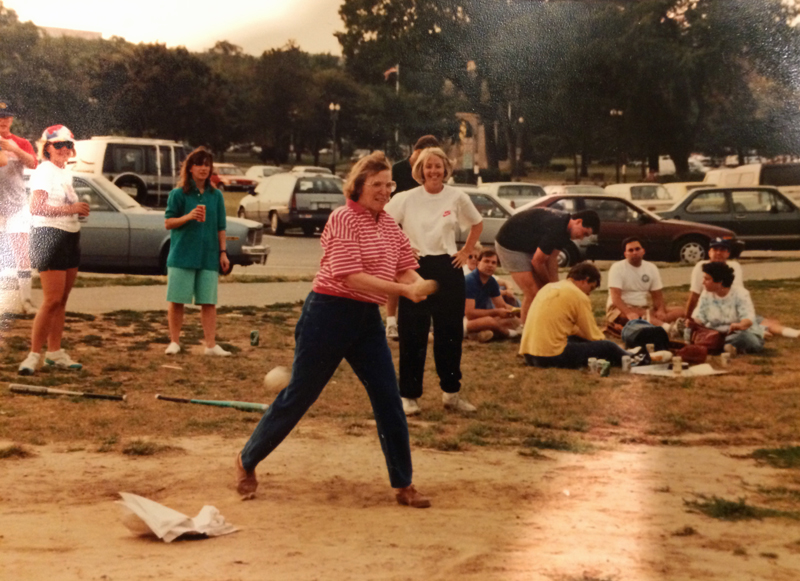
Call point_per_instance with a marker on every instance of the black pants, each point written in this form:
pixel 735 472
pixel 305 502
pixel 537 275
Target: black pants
pixel 446 308
pixel 577 353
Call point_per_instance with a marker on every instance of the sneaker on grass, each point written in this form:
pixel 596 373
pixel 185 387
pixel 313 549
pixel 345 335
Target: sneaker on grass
pixel 453 401
pixel 29 365
pixel 391 332
pixel 410 406
pixel 173 349
pixel 218 351
pixel 61 360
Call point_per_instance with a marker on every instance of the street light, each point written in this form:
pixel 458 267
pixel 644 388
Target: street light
pixel 617 114
pixel 334 108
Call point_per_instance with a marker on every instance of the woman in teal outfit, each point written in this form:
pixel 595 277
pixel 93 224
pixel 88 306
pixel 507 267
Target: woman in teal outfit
pixel 195 217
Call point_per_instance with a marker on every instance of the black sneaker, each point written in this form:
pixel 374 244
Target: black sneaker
pixel 640 359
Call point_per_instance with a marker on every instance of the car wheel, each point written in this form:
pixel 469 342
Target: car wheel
pixel 134 187
pixel 275 224
pixel 309 230
pixel 691 250
pixel 568 256
pixel 241 213
pixel 162 259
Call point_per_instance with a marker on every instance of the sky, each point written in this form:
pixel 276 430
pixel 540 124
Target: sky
pixel 255 25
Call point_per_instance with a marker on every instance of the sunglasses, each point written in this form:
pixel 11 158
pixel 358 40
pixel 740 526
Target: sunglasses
pixel 63 144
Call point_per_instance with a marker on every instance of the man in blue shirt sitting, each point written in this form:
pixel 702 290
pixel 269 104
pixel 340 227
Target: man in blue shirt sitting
pixel 487 314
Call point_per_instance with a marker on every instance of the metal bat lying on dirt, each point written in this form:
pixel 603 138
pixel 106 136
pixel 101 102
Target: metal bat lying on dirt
pixel 36 390
pixel 245 406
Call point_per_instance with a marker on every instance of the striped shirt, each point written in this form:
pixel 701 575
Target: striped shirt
pixel 354 242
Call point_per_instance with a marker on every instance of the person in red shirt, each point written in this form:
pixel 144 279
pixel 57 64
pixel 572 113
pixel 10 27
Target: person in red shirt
pixel 14 209
pixel 365 258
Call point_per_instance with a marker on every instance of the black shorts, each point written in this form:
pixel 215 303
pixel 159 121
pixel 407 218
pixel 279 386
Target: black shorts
pixel 54 249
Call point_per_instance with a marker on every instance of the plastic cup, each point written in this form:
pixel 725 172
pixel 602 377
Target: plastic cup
pixel 203 208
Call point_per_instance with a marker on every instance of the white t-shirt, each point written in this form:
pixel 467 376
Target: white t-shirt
pixel 431 220
pixel 636 283
pixel 57 183
pixel 696 285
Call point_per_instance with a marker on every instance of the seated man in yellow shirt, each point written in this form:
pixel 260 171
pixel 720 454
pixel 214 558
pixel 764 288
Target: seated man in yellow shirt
pixel 560 330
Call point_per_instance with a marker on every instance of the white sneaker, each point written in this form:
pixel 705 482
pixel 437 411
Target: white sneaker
pixel 391 332
pixel 481 336
pixel 28 308
pixel 410 406
pixel 454 401
pixel 61 360
pixel 218 351
pixel 172 349
pixel 28 367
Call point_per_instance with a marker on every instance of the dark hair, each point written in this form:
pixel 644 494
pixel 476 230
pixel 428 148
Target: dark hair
pixel 590 219
pixel 719 272
pixel 488 252
pixel 585 271
pixel 630 239
pixel 200 156
pixel 368 165
pixel 425 142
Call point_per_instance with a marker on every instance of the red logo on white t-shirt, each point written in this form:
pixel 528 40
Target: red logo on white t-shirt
pixel 446 214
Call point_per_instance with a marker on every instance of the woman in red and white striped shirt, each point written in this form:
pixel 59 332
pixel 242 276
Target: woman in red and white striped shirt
pixel 365 258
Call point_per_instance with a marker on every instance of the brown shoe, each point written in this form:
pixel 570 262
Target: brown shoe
pixel 246 483
pixel 409 496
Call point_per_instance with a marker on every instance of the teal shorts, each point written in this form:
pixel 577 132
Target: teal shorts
pixel 185 284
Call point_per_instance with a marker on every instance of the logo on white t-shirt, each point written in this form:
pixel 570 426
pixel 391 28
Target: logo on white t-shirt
pixel 645 278
pixel 446 214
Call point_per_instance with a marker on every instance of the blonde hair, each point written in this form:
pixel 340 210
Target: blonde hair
pixel 417 173
pixel 369 165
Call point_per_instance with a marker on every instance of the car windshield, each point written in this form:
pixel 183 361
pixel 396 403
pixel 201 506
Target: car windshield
pixel 319 185
pixel 113 193
pixel 649 192
pixel 229 171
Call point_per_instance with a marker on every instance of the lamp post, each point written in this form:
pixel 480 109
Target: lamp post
pixel 617 114
pixel 334 108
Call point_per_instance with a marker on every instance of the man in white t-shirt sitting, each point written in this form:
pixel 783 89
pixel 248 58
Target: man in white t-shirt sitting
pixel 634 290
pixel 720 251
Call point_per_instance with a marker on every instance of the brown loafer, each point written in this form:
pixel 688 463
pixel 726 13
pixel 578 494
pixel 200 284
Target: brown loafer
pixel 246 482
pixel 409 496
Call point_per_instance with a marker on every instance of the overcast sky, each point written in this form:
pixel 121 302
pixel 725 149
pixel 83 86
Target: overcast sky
pixel 255 25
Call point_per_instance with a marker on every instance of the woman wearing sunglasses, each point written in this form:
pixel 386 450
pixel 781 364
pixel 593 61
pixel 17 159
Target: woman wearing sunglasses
pixel 54 245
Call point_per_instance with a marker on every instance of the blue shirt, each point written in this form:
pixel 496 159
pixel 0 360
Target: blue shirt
pixel 482 293
pixel 196 244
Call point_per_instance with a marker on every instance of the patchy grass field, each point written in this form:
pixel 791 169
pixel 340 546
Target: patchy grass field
pixel 719 451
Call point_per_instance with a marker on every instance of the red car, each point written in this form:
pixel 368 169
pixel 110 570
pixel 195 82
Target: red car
pixel 664 240
pixel 228 177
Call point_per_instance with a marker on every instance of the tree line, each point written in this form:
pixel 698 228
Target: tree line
pixel 587 78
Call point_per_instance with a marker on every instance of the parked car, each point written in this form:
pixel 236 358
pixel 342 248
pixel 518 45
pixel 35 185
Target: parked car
pixel 666 240
pixel 574 189
pixel 515 193
pixel 146 169
pixel 311 169
pixel 121 235
pixel 292 200
pixel 762 217
pixel 493 210
pixel 784 176
pixel 259 172
pixel 678 190
pixel 229 178
pixel 648 195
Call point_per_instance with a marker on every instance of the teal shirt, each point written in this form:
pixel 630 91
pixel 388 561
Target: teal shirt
pixel 196 244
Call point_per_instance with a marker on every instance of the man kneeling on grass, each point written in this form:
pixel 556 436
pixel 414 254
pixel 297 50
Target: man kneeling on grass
pixel 488 315
pixel 560 330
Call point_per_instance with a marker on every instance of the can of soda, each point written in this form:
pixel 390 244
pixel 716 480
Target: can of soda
pixel 592 364
pixel 687 335
pixel 651 347
pixel 605 368
pixel 626 363
pixel 677 365
pixel 730 350
pixel 724 359
pixel 254 338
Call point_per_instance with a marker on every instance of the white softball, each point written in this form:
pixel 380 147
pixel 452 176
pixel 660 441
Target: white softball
pixel 278 377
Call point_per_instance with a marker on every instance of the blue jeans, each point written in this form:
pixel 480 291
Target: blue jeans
pixel 748 341
pixel 577 353
pixel 331 329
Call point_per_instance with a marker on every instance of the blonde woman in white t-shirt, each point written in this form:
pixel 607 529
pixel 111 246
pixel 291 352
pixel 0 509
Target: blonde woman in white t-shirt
pixel 431 216
pixel 54 246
